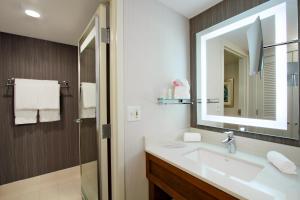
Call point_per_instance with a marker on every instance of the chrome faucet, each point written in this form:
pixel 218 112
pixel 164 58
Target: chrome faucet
pixel 230 142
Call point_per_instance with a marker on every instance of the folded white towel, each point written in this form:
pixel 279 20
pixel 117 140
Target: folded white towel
pixel 49 115
pixel 26 96
pixel 88 95
pixel 88 112
pixel 25 101
pixel 48 94
pixel 281 162
pixel 181 92
pixel 48 100
pixel 25 117
pixel 191 137
pixel 88 100
pixel 32 95
pixel 181 89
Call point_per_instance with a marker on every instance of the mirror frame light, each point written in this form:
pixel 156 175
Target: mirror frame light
pixel 275 8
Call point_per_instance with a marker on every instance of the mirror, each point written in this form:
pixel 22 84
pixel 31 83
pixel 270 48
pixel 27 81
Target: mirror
pixel 244 96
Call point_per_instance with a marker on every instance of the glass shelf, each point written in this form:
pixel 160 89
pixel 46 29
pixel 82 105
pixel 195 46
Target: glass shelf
pixel 174 101
pixel 183 101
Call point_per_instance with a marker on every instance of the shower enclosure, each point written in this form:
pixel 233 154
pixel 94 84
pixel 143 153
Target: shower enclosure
pixel 93 75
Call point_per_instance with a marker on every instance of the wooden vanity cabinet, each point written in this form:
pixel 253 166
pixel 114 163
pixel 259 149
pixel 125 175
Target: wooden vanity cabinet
pixel 167 182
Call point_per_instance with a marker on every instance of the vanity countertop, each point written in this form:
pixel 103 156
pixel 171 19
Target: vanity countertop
pixel 269 184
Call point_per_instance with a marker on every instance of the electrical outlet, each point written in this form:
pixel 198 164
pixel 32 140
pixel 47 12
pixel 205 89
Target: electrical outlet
pixel 134 113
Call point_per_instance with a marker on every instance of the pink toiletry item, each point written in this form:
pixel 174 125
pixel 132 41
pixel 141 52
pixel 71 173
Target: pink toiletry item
pixel 177 83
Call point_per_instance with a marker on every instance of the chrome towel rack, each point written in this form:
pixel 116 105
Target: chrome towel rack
pixel 63 84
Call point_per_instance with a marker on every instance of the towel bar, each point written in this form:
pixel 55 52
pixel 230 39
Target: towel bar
pixel 63 84
pixel 184 101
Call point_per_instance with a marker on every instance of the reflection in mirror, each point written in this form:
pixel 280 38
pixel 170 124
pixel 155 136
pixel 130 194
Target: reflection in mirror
pixel 248 101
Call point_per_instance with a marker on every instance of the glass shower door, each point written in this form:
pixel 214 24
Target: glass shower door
pixel 87 111
pixel 93 54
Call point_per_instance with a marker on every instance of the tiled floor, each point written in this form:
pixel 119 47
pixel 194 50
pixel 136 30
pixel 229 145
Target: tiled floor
pixel 89 180
pixel 59 185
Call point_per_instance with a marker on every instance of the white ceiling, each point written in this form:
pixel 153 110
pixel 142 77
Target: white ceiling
pixel 61 21
pixel 189 8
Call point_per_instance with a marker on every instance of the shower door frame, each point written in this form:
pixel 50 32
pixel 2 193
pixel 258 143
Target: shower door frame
pixel 103 159
pixel 92 26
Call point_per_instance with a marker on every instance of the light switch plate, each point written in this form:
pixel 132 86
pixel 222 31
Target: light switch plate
pixel 134 113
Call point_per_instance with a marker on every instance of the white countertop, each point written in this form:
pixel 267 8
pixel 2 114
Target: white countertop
pixel 268 184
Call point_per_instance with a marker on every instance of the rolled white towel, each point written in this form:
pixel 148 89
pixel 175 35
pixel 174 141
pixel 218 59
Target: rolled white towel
pixel 191 137
pixel 282 162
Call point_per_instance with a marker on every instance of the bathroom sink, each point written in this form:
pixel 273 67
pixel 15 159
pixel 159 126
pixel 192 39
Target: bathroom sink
pixel 226 165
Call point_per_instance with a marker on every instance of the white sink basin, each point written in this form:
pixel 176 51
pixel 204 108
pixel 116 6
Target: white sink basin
pixel 225 165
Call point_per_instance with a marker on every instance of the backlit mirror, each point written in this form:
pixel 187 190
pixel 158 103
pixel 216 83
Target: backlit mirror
pixel 231 95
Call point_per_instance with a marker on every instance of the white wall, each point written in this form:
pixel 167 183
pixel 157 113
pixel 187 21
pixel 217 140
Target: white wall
pixel 156 51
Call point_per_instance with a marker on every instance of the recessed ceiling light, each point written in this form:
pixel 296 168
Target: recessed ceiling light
pixel 32 13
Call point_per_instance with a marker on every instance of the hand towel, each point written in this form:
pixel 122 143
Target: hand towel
pixel 25 117
pixel 88 95
pixel 281 162
pixel 88 100
pixel 191 137
pixel 181 89
pixel 48 101
pixel 181 92
pixel 25 101
pixel 49 115
pixel 25 94
pixel 49 92
pixel 87 113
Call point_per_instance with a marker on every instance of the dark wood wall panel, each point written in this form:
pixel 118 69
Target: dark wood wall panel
pixel 30 150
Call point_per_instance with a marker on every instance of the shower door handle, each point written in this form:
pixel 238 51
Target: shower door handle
pixel 78 121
